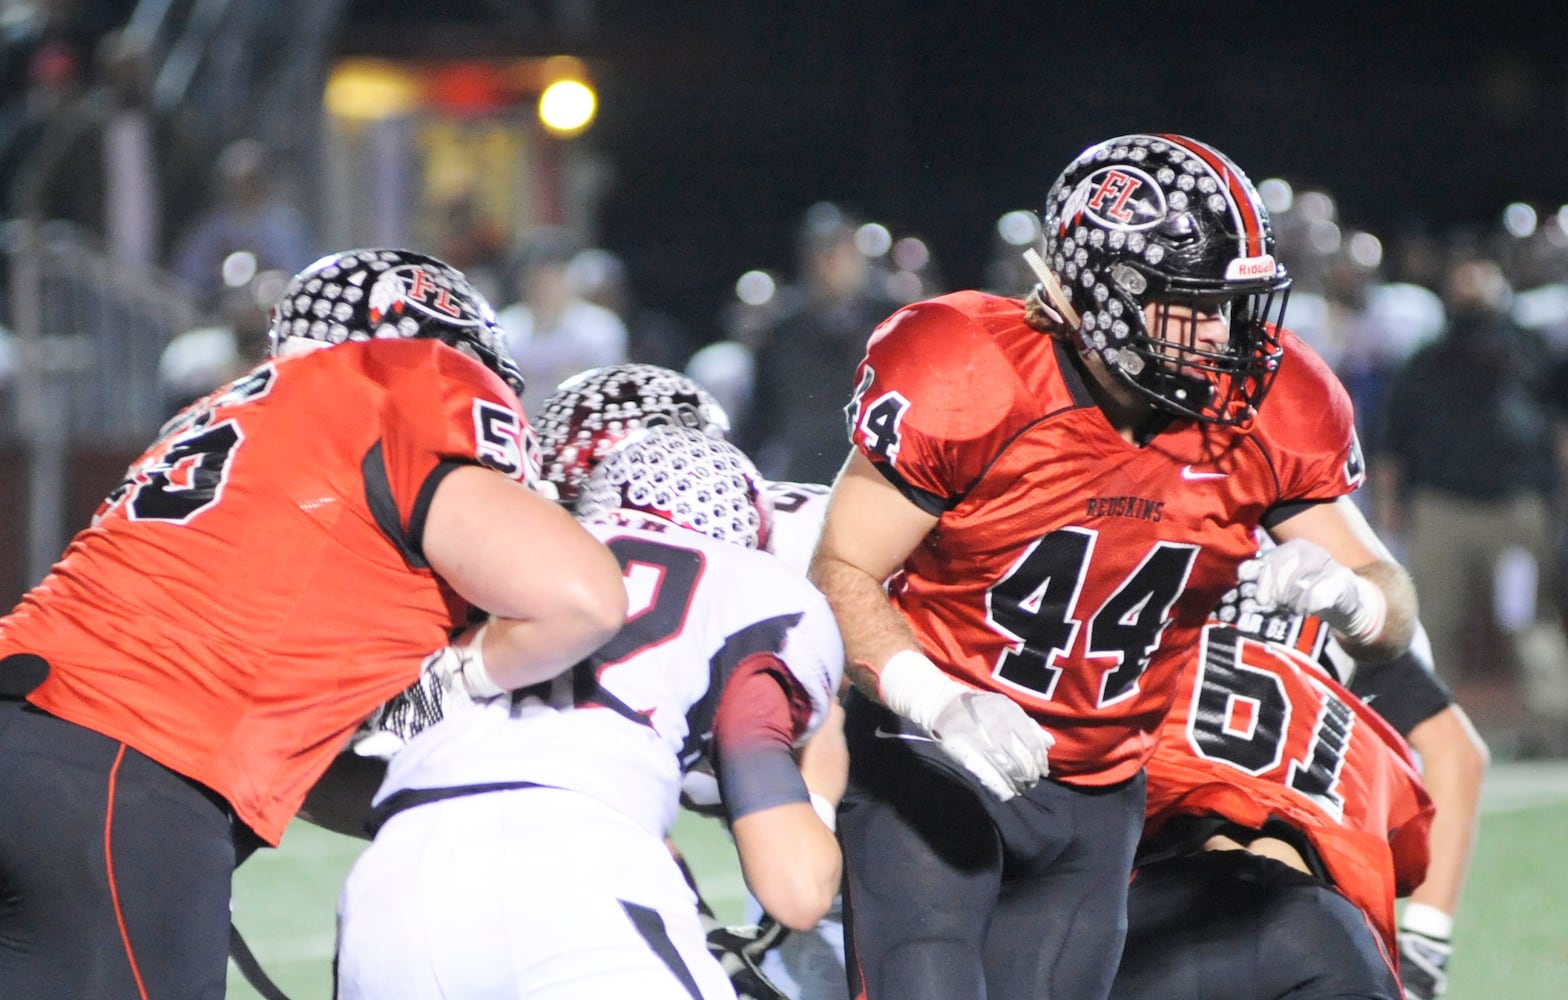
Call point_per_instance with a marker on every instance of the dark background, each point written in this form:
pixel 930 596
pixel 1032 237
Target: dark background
pixel 721 122
pixel 724 122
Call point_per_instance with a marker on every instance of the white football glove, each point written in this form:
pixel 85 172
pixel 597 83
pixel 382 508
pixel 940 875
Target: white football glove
pixel 1424 937
pixel 740 950
pixel 450 680
pixel 1423 965
pixel 984 731
pixel 1301 576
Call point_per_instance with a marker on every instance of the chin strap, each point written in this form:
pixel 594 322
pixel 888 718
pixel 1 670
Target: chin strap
pixel 1054 292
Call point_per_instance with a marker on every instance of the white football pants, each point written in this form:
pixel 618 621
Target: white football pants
pixel 535 893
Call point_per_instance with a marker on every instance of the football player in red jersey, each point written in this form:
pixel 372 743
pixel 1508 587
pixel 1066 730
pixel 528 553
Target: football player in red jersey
pixel 1407 693
pixel 276 565
pixel 1062 488
pixel 1284 816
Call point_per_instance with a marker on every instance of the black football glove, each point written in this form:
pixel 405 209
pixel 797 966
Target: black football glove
pixel 1423 965
pixel 740 950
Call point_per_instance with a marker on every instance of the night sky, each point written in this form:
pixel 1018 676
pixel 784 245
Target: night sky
pixel 723 126
pixel 723 122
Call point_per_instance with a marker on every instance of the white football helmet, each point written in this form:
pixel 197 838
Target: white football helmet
pixel 592 411
pixel 685 477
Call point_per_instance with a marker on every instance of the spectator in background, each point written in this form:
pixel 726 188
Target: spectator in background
pixel 249 216
pixel 653 337
pixel 1466 471
pixel 1006 273
pixel 795 425
pixel 551 330
pixel 44 52
pixel 101 158
pixel 472 242
pixel 234 340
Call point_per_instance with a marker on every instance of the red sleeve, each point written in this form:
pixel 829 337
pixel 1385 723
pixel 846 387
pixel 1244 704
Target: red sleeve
pixel 763 711
pixel 933 398
pixel 430 426
pixel 1307 426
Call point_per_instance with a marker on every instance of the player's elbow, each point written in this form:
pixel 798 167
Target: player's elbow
pixel 798 899
pixel 1449 742
pixel 791 863
pixel 595 603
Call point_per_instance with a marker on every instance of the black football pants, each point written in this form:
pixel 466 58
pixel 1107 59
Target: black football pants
pixel 1230 925
pixel 952 894
pixel 114 871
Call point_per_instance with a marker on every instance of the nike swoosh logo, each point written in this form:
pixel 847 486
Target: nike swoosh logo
pixel 1187 472
pixel 883 734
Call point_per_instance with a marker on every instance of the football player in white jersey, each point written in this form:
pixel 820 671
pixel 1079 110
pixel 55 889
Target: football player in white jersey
pixel 580 423
pixel 520 841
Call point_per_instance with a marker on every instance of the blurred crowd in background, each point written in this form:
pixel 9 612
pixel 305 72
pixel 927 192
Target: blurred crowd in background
pixel 1452 342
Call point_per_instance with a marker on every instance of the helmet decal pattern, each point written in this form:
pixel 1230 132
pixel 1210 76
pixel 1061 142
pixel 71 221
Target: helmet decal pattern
pixel 683 476
pixel 591 412
pixel 373 294
pixel 1145 219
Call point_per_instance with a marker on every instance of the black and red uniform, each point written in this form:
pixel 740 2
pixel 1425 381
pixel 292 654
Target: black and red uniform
pixel 1071 570
pixel 249 593
pixel 1260 742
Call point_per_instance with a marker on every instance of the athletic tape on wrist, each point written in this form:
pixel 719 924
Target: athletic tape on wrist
pixel 476 678
pixel 1369 613
pixel 1426 920
pixel 914 687
pixel 826 811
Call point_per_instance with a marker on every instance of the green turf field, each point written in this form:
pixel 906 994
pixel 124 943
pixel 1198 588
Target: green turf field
pixel 1512 933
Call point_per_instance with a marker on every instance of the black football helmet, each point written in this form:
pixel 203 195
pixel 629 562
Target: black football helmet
pixel 383 293
pixel 1168 220
pixel 593 410
pixel 683 476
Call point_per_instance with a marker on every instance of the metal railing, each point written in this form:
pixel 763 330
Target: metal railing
pixel 88 332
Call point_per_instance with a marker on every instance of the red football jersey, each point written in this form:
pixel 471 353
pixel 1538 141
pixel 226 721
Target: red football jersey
pixel 256 586
pixel 1259 732
pixel 1070 568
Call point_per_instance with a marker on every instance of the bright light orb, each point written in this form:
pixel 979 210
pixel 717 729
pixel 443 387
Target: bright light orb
pixel 567 106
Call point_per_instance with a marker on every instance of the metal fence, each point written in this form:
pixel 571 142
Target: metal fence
pixel 85 334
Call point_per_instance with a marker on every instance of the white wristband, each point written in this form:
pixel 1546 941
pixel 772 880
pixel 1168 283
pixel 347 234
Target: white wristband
pixel 827 812
pixel 1426 920
pixel 914 687
pixel 1363 620
pixel 476 679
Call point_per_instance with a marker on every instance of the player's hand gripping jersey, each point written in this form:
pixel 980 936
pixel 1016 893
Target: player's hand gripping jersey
pixel 1258 732
pixel 708 620
pixel 328 608
pixel 1071 569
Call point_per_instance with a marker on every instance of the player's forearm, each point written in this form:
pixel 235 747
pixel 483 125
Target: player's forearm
pixel 872 629
pixel 791 862
pixel 1454 761
pixel 519 652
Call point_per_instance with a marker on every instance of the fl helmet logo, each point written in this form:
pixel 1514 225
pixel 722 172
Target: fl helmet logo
pixel 416 287
pixel 1118 197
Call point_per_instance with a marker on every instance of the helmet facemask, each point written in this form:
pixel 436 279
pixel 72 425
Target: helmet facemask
pixel 1161 359
pixel 1169 223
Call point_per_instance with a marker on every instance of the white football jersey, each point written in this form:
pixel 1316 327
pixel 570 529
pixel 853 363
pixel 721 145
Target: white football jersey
pixel 798 512
pixel 628 722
